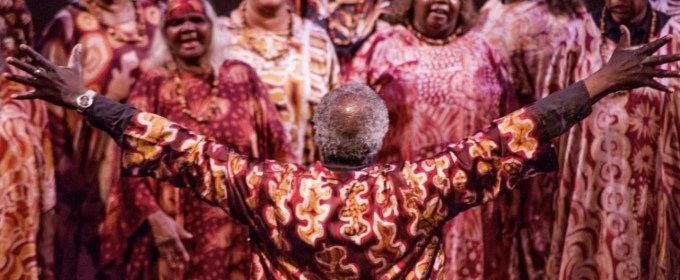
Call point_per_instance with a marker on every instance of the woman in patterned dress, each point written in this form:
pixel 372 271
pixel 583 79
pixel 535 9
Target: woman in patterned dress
pixel 116 36
pixel 545 44
pixel 294 58
pixel 190 82
pixel 27 183
pixel 440 83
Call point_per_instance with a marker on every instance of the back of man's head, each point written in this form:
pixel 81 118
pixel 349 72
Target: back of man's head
pixel 350 123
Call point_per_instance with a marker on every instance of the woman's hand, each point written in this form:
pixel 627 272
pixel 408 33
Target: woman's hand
pixel 55 84
pixel 168 238
pixel 631 68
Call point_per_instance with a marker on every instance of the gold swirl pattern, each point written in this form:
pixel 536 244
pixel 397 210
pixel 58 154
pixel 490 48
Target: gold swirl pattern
pixel 335 214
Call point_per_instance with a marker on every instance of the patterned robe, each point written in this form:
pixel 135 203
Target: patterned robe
pixel 544 53
pixel 87 160
pixel 26 186
pixel 377 222
pixel 349 23
pixel 435 95
pixel 297 80
pixel 619 195
pixel 248 122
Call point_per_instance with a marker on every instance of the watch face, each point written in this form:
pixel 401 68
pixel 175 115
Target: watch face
pixel 82 101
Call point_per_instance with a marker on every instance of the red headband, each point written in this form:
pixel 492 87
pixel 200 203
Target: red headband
pixel 179 8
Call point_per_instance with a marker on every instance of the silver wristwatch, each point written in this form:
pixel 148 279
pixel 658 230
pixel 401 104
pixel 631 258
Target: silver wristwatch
pixel 85 100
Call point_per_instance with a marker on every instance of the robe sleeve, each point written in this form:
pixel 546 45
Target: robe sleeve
pixel 144 96
pixel 492 162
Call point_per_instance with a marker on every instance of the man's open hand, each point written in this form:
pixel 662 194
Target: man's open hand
pixel 55 84
pixel 631 68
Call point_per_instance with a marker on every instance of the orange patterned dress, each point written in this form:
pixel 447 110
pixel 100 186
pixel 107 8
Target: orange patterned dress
pixel 436 95
pixel 618 202
pixel 248 123
pixel 26 186
pixel 87 160
pixel 297 73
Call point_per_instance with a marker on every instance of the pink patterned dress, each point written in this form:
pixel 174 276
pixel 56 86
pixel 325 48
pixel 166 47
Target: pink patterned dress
pixel 436 95
pixel 618 202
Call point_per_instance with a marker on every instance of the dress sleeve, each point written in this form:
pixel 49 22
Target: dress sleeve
pixel 491 162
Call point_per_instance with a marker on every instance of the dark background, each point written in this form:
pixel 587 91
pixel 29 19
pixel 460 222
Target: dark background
pixel 44 10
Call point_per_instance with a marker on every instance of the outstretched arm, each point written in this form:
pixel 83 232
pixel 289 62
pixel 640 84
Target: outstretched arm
pixel 157 147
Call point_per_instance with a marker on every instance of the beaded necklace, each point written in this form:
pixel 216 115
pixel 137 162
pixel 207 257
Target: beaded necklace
pixel 114 32
pixel 253 47
pixel 183 102
pixel 430 41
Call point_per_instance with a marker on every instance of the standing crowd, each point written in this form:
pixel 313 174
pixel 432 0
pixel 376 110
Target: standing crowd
pixel 253 80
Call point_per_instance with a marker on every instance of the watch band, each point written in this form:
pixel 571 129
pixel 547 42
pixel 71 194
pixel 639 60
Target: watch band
pixel 85 100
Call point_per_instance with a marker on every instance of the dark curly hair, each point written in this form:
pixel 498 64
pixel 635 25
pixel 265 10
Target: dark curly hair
pixel 401 12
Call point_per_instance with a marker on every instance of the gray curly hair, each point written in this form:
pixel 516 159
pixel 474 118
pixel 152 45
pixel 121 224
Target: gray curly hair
pixel 350 123
pixel 160 55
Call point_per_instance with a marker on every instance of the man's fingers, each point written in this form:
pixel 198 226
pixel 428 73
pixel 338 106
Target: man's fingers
pixel 656 85
pixel 39 59
pixel 657 73
pixel 661 59
pixel 30 69
pixel 26 95
pixel 25 80
pixel 652 47
pixel 624 42
pixel 75 60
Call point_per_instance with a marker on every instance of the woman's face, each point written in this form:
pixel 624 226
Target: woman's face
pixel 436 18
pixel 189 36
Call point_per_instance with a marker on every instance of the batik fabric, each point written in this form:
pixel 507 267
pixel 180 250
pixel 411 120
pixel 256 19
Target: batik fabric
pixel 618 198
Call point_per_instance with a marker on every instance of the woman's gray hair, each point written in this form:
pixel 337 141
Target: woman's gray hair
pixel 350 123
pixel 160 55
